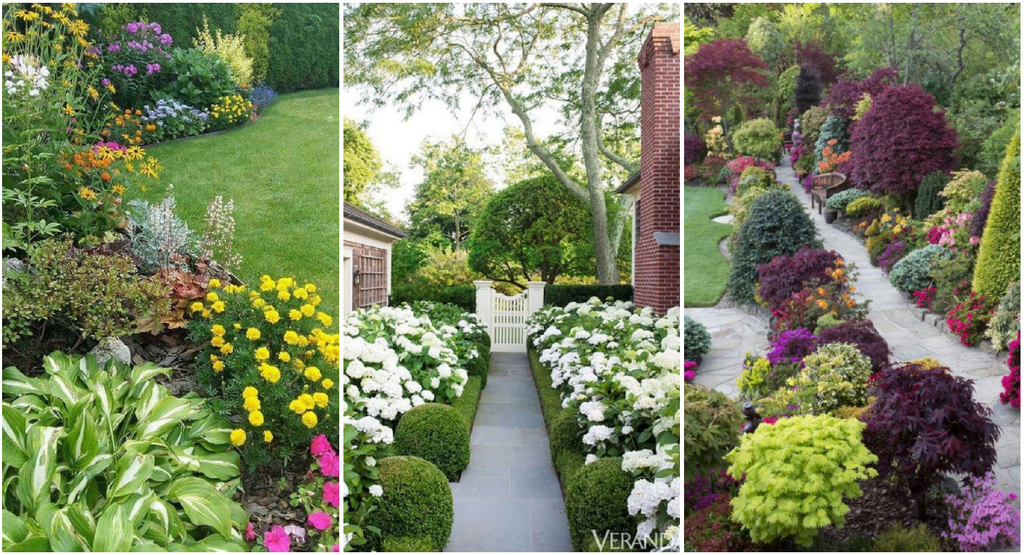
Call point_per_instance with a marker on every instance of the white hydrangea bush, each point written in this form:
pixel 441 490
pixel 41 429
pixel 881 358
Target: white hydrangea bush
pixel 618 369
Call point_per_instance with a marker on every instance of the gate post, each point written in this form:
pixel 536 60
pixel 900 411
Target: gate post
pixel 535 296
pixel 485 302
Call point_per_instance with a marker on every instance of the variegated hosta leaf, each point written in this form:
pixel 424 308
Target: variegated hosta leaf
pixel 82 521
pixel 212 430
pixel 104 399
pixel 14 529
pixel 36 477
pixel 114 531
pixel 29 405
pixel 15 383
pixel 63 537
pixel 148 399
pixel 164 521
pixel 137 506
pixel 168 412
pixel 88 368
pixel 203 504
pixel 65 390
pixel 58 363
pixel 13 425
pixel 147 372
pixel 131 473
pixel 216 544
pixel 219 466
pixel 32 544
pixel 83 442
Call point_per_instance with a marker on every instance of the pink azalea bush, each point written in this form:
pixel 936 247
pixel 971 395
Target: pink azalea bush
pixel 689 371
pixel 1011 381
pixel 982 518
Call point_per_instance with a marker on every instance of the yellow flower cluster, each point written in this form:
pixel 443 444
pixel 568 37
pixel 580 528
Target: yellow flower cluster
pixel 251 403
pixel 231 109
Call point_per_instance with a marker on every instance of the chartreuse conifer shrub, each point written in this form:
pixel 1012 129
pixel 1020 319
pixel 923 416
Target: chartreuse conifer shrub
pixel 416 506
pixel 436 433
pixel 798 472
pixel 758 138
pixel 999 257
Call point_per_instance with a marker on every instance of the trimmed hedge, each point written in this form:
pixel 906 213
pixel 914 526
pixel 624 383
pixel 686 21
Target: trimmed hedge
pixel 999 256
pixel 468 402
pixel 597 498
pixel 417 503
pixel 566 460
pixel 462 296
pixel 561 295
pixel 407 545
pixel 566 444
pixel 435 433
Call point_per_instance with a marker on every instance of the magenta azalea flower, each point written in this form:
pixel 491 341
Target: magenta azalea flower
pixel 320 446
pixel 332 494
pixel 320 520
pixel 276 540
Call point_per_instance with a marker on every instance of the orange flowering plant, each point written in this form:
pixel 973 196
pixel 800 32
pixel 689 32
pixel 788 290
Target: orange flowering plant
pixel 822 304
pixel 830 159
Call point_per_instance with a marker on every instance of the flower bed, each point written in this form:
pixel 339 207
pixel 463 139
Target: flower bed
pixel 615 375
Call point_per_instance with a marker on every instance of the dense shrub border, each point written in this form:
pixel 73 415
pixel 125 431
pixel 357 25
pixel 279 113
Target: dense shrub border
pixel 561 295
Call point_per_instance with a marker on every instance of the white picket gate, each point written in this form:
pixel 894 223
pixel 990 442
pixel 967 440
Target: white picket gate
pixel 506 316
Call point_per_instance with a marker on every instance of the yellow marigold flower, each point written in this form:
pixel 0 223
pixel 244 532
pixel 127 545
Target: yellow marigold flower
pixel 212 296
pixel 237 326
pixel 217 341
pixel 218 366
pixel 298 364
pixel 284 295
pixel 312 374
pixel 258 302
pixel 251 403
pixel 267 436
pixel 309 419
pixel 294 314
pixel 214 358
pixel 206 313
pixel 227 348
pixel 327 383
pixel 262 354
pixel 238 437
pixel 303 341
pixel 196 307
pixel 270 373
pixel 256 418
pixel 267 285
pixel 250 391
pixel 307 401
pixel 265 277
pixel 291 338
pixel 218 306
pixel 215 283
pixel 308 310
pixel 300 293
pixel 283 356
pixel 314 300
pixel 309 287
pixel 297 406
pixel 320 399
pixel 324 318
pixel 252 334
pixel 272 316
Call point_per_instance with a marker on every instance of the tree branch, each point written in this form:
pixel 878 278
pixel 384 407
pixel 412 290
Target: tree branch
pixel 578 9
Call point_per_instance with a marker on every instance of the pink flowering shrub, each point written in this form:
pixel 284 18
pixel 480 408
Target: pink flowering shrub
pixel 954 232
pixel 982 518
pixel 737 165
pixel 969 318
pixel 925 297
pixel 689 371
pixel 1011 381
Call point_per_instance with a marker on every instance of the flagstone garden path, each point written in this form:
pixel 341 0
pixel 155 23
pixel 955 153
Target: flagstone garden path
pixel 734 331
pixel 509 498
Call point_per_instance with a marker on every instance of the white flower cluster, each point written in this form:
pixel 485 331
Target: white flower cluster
pixel 651 497
pixel 26 73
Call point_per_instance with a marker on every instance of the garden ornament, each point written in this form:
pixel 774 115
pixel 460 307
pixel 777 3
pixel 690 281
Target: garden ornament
pixel 753 419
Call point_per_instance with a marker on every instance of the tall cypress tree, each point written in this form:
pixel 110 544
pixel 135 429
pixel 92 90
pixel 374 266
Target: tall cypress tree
pixel 808 89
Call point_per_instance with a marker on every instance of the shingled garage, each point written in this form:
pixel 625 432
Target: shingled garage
pixel 655 188
pixel 366 260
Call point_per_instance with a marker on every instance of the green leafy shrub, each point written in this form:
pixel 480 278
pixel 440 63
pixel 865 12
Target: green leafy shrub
pixel 785 87
pixel 993 150
pixel 754 177
pixel 417 503
pixel 839 201
pixel 798 471
pixel 758 138
pixel 696 339
pixel 105 459
pixel 804 164
pixel 952 278
pixel 230 48
pixel 71 291
pixel 196 78
pixel 999 256
pixel 561 295
pixel 836 375
pixel 596 499
pixel 962 190
pixel 304 47
pixel 810 124
pixel 567 449
pixel 928 200
pixel 1005 323
pixel 761 378
pixel 254 22
pixel 418 544
pixel 437 434
pixel 712 429
pixel 462 296
pixel 877 243
pixel 863 205
pixel 898 539
pixel 777 225
pixel 913 272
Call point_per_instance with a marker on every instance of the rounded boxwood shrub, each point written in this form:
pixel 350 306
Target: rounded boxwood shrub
pixel 435 433
pixel 777 225
pixel 839 201
pixel 407 545
pixel 696 339
pixel 758 138
pixel 928 200
pixel 999 256
pixel 596 498
pixel 913 272
pixel 567 449
pixel 862 335
pixel 898 539
pixel 417 503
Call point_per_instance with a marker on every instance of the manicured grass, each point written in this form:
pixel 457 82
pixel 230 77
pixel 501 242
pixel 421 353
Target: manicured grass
pixel 706 270
pixel 282 173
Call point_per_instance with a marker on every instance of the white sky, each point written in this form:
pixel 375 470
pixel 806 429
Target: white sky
pixel 398 141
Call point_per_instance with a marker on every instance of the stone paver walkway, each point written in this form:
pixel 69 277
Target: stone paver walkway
pixel 733 333
pixel 509 498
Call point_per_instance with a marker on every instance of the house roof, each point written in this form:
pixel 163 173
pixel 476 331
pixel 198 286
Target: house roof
pixel 361 217
pixel 629 183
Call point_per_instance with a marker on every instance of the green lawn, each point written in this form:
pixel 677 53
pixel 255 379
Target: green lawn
pixel 282 172
pixel 706 270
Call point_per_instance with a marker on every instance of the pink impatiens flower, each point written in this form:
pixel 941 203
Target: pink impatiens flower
pixel 276 540
pixel 332 494
pixel 320 446
pixel 335 547
pixel 250 534
pixel 320 520
pixel 329 464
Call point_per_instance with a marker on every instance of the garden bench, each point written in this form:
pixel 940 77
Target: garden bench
pixel 825 185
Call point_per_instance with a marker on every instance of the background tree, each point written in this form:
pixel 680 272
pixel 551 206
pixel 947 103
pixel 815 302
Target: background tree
pixel 365 173
pixel 807 92
pixel 736 24
pixel 813 54
pixel 720 76
pixel 454 186
pixel 577 58
pixel 764 39
pixel 533 228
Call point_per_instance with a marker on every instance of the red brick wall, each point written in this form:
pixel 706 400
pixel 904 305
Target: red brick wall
pixel 372 264
pixel 656 274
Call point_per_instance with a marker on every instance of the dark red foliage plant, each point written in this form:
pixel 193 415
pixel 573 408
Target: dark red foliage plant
pixel 814 55
pixel 785 275
pixel 721 74
pixel 926 423
pixel 694 149
pixel 807 91
pixel 710 529
pixel 863 335
pixel 900 140
pixel 980 216
pixel 846 93
pixel 1011 381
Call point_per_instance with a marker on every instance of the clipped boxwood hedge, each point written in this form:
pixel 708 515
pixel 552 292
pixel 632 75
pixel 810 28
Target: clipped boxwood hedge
pixel 566 444
pixel 463 296
pixel 468 402
pixel 436 433
pixel 407 545
pixel 999 256
pixel 417 503
pixel 596 498
pixel 561 295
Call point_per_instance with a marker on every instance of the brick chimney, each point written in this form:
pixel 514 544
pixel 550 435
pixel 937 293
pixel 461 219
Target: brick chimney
pixel 657 256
